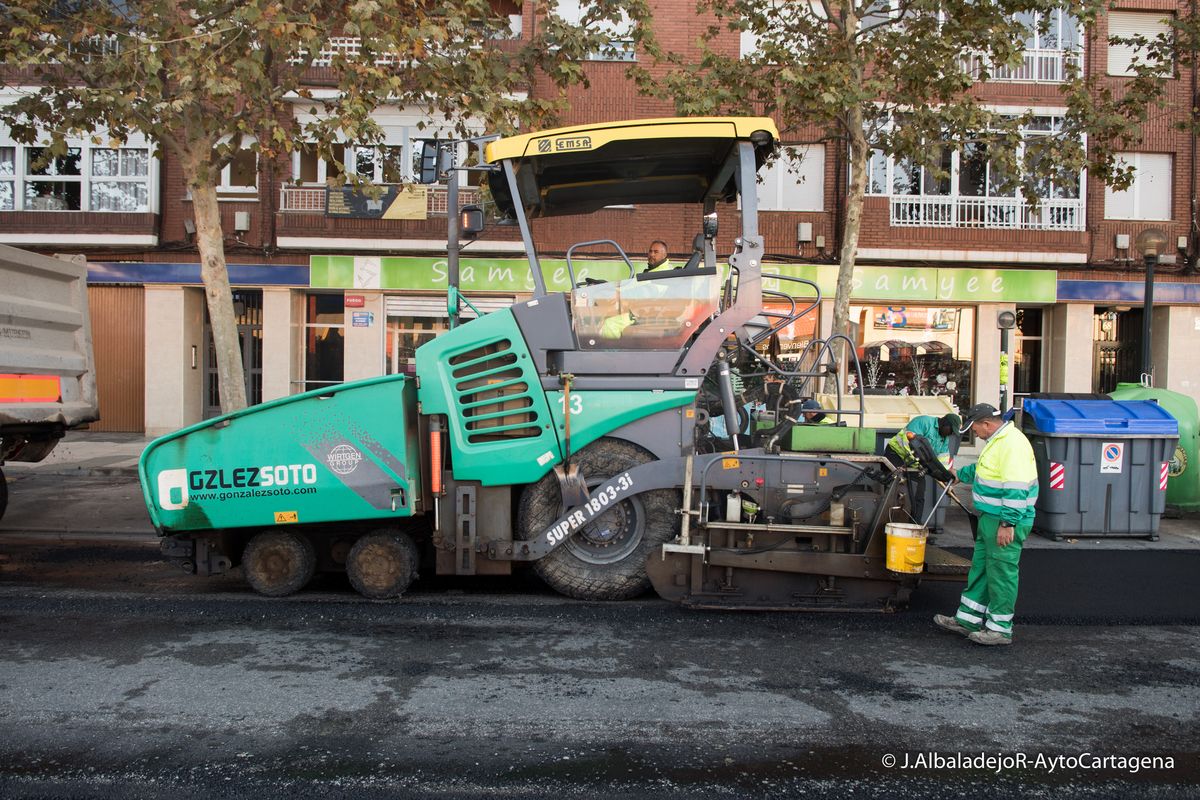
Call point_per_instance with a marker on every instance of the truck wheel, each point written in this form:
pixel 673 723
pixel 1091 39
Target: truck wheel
pixel 278 563
pixel 381 565
pixel 606 559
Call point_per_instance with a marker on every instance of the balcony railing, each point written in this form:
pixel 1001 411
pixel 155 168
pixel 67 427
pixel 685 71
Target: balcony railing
pixel 311 199
pixel 988 212
pixel 1038 66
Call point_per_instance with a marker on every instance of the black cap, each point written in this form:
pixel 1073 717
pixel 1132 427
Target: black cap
pixel 810 405
pixel 977 412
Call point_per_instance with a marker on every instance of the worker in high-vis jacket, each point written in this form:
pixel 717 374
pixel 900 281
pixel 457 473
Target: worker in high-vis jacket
pixel 938 430
pixel 657 259
pixel 1004 487
pixel 941 433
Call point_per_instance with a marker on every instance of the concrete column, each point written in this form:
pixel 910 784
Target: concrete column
pixel 364 345
pixel 174 358
pixel 1070 343
pixel 279 342
pixel 826 319
pixel 987 354
pixel 1176 364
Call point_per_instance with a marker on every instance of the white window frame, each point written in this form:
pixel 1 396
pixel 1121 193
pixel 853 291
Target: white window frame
pixel 620 46
pixel 121 178
pixel 21 177
pixel 997 211
pixel 224 184
pixel 1147 23
pixel 793 169
pixel 1138 188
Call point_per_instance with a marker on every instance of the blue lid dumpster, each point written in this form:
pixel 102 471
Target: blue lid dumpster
pixel 1102 465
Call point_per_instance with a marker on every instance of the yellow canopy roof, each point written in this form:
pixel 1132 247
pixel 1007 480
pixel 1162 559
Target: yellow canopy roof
pixel 583 168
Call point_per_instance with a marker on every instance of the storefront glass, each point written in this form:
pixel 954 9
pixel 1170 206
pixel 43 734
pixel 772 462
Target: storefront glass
pixel 324 340
pixel 404 336
pixel 915 350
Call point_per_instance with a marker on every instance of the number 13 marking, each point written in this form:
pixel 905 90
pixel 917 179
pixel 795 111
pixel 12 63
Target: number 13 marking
pixel 576 404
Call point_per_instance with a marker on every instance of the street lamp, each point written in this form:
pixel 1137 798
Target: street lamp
pixel 1150 243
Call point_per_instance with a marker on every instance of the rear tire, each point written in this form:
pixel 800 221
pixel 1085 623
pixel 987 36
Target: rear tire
pixel 383 564
pixel 278 563
pixel 606 559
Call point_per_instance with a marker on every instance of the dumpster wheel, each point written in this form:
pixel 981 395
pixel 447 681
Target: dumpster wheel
pixel 382 564
pixel 278 563
pixel 606 559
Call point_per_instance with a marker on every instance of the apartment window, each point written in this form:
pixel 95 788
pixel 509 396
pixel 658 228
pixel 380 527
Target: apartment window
pixel 8 178
pixel 966 188
pixel 1125 24
pixel 53 183
pixel 384 164
pixel 795 181
pixel 1149 196
pixel 85 177
pixel 1050 30
pixel 240 175
pixel 119 179
pixel 620 43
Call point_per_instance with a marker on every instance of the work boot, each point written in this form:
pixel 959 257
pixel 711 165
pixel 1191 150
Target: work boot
pixel 950 624
pixel 989 638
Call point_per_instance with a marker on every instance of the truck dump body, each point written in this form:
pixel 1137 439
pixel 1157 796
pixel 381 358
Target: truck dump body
pixel 349 452
pixel 46 379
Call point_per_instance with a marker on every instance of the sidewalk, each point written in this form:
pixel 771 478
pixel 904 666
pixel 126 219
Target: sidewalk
pixel 90 454
pixel 99 455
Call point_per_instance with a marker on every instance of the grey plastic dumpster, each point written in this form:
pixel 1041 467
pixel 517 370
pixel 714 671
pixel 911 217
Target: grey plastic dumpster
pixel 1102 465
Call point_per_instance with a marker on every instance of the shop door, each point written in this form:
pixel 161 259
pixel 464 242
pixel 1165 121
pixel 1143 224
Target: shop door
pixel 1029 354
pixel 247 307
pixel 119 346
pixel 1117 353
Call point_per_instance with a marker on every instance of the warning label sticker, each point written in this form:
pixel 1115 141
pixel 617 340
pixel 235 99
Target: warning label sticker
pixel 1112 456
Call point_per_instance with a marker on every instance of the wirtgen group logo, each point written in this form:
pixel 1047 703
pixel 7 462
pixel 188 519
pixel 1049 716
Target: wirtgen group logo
pixel 343 459
pixel 173 489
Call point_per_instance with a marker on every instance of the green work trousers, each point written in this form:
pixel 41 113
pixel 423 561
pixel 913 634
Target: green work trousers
pixel 991 594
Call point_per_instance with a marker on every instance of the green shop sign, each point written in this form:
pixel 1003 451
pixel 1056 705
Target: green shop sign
pixel 511 275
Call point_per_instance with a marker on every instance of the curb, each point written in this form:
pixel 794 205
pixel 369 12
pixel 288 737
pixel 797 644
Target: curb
pixel 124 537
pixel 15 469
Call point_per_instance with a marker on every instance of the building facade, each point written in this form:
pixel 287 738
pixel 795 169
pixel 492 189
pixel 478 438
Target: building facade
pixel 330 288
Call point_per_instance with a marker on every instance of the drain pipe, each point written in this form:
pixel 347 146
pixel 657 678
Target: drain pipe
pixel 1189 259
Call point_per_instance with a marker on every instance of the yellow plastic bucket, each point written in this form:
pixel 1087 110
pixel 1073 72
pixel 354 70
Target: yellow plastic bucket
pixel 905 546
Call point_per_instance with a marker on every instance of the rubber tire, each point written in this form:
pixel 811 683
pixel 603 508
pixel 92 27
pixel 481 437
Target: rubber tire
pixel 278 563
pixel 3 494
pixel 381 565
pixel 562 570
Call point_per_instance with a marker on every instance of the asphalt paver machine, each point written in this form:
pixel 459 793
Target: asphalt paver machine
pixel 618 435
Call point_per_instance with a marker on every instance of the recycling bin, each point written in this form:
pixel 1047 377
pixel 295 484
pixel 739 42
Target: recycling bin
pixel 1102 465
pixel 1183 478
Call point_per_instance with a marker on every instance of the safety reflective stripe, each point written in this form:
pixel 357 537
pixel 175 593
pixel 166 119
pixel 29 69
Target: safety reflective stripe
pixel 1001 617
pixel 1022 486
pixel 1006 502
pixel 969 603
pixel 971 618
pixel 998 628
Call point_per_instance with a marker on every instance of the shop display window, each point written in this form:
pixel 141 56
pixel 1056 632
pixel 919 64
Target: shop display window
pixel 404 336
pixel 915 350
pixel 324 340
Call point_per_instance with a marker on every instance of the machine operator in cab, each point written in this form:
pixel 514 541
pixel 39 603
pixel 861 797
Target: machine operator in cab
pixel 657 259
